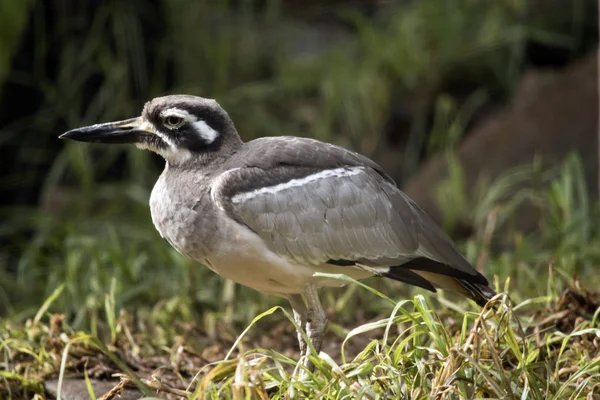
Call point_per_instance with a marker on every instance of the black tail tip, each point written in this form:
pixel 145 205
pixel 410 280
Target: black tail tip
pixel 481 294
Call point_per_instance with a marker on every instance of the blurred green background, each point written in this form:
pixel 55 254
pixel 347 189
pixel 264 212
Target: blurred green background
pixel 450 96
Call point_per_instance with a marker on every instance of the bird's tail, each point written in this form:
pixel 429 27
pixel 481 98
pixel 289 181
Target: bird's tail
pixel 430 274
pixel 478 292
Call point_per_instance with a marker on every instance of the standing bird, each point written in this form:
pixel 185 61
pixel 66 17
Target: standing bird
pixel 272 212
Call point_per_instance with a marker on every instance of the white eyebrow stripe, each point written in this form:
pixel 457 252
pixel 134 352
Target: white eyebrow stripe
pixel 178 112
pixel 205 131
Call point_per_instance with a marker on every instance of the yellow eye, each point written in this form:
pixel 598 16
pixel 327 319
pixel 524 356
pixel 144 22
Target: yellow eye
pixel 173 121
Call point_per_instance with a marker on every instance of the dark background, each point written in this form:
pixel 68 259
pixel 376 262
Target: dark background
pixel 420 86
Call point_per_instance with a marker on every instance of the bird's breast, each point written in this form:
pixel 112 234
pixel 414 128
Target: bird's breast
pixel 184 216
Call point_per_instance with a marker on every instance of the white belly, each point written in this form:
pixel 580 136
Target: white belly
pixel 242 257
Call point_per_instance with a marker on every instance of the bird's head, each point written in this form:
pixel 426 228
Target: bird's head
pixel 177 127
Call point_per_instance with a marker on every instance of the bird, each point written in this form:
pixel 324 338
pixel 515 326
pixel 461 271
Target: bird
pixel 272 212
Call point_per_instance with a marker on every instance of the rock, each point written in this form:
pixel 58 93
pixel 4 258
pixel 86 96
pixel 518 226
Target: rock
pixel 551 114
pixel 75 389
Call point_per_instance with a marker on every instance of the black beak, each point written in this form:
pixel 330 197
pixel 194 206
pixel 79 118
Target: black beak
pixel 128 131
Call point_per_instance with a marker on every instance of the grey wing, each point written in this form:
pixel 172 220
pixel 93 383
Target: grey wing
pixel 285 189
pixel 343 216
pixel 339 215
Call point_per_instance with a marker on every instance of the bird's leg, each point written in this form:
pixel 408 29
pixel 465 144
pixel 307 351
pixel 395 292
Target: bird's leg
pixel 300 310
pixel 309 315
pixel 316 320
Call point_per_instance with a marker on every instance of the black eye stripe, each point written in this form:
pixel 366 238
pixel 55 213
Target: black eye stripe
pixel 185 135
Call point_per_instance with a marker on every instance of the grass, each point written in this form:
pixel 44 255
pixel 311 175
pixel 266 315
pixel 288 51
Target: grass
pixel 541 342
pixel 414 352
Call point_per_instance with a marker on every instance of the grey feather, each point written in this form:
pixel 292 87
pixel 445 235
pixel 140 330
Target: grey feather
pixel 354 222
pixel 358 216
